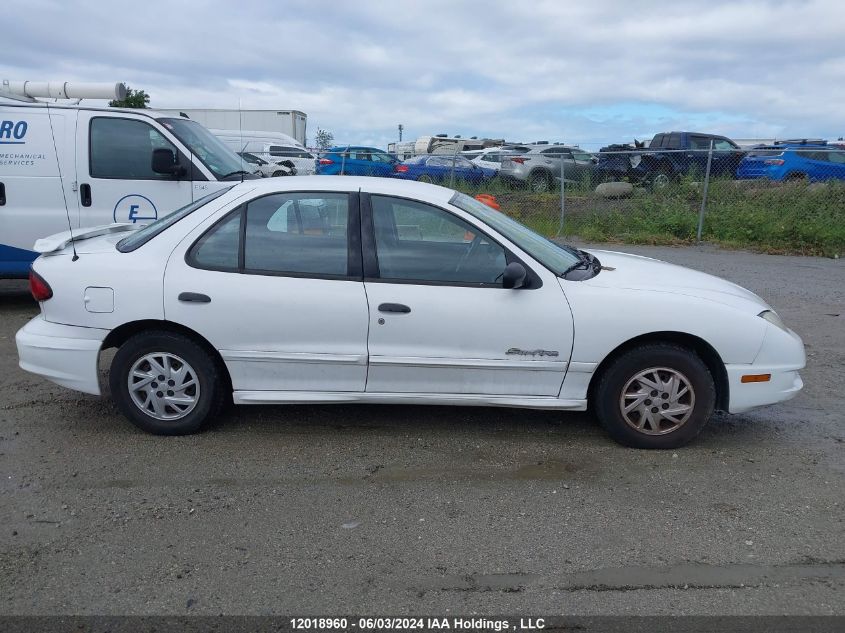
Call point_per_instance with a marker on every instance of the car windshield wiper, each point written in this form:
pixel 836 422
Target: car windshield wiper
pixel 583 262
pixel 235 173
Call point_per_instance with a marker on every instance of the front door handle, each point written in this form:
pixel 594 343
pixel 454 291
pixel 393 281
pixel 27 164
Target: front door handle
pixel 394 307
pixel 194 297
pixel 85 195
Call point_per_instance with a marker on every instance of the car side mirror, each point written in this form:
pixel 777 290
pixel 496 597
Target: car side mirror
pixel 164 162
pixel 514 276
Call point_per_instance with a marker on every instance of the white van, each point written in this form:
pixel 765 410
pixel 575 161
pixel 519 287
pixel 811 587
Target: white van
pixel 274 147
pixel 87 166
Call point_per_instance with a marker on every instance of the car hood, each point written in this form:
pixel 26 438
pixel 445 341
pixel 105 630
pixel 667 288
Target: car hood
pixel 634 272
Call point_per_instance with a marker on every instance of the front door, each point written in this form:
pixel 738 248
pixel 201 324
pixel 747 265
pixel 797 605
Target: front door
pixel 440 320
pixel 114 173
pixel 275 286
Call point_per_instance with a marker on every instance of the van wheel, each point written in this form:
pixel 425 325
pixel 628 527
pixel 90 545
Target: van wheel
pixel 539 182
pixel 165 383
pixel 655 396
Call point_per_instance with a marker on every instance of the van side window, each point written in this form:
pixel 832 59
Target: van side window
pixel 123 149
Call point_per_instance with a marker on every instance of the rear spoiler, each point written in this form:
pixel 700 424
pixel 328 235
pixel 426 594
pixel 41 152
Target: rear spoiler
pixel 61 240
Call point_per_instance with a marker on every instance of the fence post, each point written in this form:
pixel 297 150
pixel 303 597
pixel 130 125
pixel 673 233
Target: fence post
pixel 704 193
pixel 343 161
pixel 452 173
pixel 562 195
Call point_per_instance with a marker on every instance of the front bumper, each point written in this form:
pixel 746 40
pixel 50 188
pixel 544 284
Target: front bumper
pixel 64 354
pixel 781 356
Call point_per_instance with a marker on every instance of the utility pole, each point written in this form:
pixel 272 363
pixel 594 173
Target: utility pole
pixel 401 127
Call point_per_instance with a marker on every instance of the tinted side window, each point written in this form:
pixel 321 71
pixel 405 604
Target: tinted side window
pixel 416 241
pixel 723 145
pixel 218 248
pixel 123 148
pixel 672 141
pixel 300 233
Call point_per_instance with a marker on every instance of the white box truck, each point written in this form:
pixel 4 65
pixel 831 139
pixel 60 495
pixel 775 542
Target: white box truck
pixel 290 122
pixel 77 166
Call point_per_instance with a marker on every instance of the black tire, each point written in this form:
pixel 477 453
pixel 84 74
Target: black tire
pixel 662 178
pixel 425 178
pixel 208 393
pixel 540 182
pixel 701 399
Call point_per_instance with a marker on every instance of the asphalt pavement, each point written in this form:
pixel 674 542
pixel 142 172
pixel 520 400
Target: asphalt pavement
pixel 392 510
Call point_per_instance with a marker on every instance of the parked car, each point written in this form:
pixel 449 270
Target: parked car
pixel 273 147
pixel 489 158
pixel 265 169
pixel 441 169
pixel 350 160
pixel 539 168
pixel 669 156
pixel 327 289
pixel 794 161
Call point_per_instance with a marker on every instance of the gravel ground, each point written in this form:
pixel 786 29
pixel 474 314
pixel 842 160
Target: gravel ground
pixel 392 510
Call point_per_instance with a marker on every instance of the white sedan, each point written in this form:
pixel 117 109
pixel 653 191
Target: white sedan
pixel 328 289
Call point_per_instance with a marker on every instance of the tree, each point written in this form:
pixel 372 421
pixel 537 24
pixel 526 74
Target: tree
pixel 134 99
pixel 323 139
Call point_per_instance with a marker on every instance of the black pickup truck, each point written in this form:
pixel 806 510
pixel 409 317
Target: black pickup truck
pixel 669 156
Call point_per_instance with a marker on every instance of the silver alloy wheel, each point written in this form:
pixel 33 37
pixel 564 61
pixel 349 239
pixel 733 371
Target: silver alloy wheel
pixel 163 386
pixel 538 183
pixel 660 181
pixel 657 401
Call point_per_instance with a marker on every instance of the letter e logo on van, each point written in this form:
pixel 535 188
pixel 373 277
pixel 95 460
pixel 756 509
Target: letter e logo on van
pixel 134 208
pixel 12 132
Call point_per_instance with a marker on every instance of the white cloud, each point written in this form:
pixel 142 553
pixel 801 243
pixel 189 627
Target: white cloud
pixel 521 70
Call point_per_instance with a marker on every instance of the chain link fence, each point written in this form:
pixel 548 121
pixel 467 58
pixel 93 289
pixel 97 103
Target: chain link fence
pixel 777 197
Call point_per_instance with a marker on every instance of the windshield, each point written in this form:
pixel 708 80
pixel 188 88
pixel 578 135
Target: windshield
pixel 213 153
pixel 144 235
pixel 553 256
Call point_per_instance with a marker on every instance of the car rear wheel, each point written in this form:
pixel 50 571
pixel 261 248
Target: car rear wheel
pixel 662 179
pixel 540 182
pixel 165 383
pixel 655 396
pixel 425 178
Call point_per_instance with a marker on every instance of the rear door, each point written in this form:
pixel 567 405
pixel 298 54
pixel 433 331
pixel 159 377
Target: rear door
pixel 114 173
pixel 276 288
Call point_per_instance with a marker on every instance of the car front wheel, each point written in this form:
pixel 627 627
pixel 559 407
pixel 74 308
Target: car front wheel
pixel 165 383
pixel 655 396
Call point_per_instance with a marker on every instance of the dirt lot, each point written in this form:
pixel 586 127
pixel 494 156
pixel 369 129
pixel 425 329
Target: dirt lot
pixel 388 510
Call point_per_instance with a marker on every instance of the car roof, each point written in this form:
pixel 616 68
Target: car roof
pixel 368 184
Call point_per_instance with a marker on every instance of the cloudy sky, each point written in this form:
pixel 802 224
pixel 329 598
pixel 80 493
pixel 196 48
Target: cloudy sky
pixel 587 72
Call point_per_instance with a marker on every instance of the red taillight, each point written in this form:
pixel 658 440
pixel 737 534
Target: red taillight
pixel 326 161
pixel 40 289
pixel 773 161
pixel 401 169
pixel 519 159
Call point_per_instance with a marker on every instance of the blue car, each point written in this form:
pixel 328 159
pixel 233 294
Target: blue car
pixel 351 160
pixel 440 168
pixel 794 161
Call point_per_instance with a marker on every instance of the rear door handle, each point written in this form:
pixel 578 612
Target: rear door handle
pixel 194 297
pixel 394 307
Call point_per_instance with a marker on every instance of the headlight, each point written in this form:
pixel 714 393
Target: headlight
pixel 772 317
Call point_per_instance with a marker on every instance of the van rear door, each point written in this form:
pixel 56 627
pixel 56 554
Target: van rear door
pixel 116 182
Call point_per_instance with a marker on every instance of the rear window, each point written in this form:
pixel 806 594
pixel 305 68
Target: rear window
pixel 289 152
pixel 766 152
pixel 144 235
